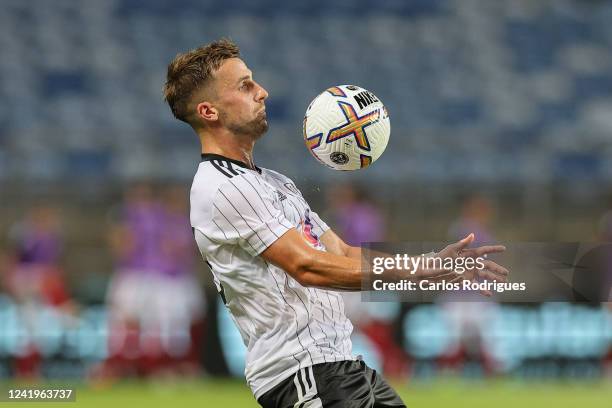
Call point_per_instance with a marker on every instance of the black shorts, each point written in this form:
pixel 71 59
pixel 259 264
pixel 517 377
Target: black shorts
pixel 335 385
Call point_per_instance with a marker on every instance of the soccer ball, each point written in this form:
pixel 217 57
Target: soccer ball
pixel 346 127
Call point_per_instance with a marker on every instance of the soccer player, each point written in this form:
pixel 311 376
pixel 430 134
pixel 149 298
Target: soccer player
pixel 275 263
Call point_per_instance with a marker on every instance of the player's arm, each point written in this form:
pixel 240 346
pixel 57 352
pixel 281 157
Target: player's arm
pixel 334 244
pixel 311 267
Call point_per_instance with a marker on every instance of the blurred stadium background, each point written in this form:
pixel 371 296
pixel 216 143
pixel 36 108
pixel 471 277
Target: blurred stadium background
pixel 501 124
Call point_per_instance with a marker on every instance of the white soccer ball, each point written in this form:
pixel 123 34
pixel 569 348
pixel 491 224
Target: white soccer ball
pixel 346 127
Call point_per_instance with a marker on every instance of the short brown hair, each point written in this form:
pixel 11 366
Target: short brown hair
pixel 189 71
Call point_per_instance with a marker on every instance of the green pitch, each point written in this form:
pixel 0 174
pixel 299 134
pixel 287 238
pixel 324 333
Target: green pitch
pixel 438 393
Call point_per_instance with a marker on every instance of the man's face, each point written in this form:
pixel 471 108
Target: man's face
pixel 239 99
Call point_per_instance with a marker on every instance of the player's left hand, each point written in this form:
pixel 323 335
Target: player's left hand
pixel 491 270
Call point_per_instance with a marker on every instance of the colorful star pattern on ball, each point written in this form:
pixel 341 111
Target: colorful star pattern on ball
pixel 355 125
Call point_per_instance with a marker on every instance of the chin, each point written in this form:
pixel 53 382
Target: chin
pixel 260 132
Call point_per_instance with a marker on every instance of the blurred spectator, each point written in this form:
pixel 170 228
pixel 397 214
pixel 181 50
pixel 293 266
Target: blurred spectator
pixel 179 297
pixel 155 303
pixel 135 242
pixel 605 235
pixel 469 319
pixel 358 219
pixel 34 276
pixel 605 223
pixel 355 215
pixel 477 213
pixel 34 258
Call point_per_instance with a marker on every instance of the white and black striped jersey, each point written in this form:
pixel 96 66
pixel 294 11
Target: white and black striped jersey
pixel 236 213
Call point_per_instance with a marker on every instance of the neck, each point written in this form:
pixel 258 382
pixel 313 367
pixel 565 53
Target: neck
pixel 225 143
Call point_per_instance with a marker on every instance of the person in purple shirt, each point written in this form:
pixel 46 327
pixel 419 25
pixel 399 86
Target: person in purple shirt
pixel 136 236
pixel 178 244
pixel 34 279
pixel 355 215
pixel 36 244
pixel 153 296
pixel 37 239
pixel 477 213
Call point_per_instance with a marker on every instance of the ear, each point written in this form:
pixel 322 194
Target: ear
pixel 207 112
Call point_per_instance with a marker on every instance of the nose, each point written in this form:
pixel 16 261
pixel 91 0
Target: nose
pixel 262 94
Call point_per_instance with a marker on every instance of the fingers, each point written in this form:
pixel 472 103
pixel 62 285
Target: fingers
pixel 457 278
pixel 493 271
pixel 495 268
pixel 460 248
pixel 438 274
pixel 490 276
pixel 490 271
pixel 464 243
pixel 483 250
pixel 486 293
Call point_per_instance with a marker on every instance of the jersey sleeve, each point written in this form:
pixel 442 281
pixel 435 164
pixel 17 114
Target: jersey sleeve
pixel 318 225
pixel 246 213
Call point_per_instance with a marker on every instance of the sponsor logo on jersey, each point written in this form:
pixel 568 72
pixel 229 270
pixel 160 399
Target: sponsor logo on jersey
pixel 307 232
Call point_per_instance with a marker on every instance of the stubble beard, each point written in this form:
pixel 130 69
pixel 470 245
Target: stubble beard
pixel 254 128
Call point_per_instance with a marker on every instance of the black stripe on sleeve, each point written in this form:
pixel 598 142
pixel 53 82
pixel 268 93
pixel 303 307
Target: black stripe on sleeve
pixel 234 170
pixel 216 165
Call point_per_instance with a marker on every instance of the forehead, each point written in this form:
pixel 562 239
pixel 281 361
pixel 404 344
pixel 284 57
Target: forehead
pixel 231 71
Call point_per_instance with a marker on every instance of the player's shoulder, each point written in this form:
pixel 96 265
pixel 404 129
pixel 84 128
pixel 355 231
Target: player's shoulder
pixel 281 179
pixel 217 173
pixel 277 176
pixel 218 182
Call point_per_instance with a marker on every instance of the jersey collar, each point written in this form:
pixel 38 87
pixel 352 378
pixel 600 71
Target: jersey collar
pixel 213 156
